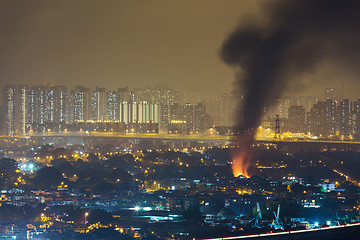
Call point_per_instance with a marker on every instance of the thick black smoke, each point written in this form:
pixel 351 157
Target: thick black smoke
pixel 297 37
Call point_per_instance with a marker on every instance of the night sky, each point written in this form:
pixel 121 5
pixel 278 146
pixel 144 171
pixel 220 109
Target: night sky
pixel 136 43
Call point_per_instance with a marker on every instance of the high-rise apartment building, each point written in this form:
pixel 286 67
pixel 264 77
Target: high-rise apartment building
pixel 158 94
pixel 199 118
pixel 306 101
pixel 50 104
pixel 9 95
pixel 296 117
pixel 188 112
pixel 335 94
pixel 144 112
pixel 113 106
pixel 282 107
pixel 164 117
pixel 345 118
pixel 38 101
pixel 356 117
pixel 229 105
pixel 61 104
pixel 99 105
pixel 322 118
pixel 176 112
pixel 81 104
pixel 23 110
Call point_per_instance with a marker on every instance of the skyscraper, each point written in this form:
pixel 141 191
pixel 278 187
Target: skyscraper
pixel 61 104
pixel 296 117
pixel 9 93
pixel 176 112
pixel 144 112
pixel 113 105
pixel 157 94
pixel 188 111
pixel 199 117
pixel 99 105
pixel 81 104
pixel 22 110
pixel 38 101
pixel 228 108
pixel 345 118
pixel 322 118
pixel 356 117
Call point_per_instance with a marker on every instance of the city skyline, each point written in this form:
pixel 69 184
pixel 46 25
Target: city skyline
pixel 178 120
pixel 35 109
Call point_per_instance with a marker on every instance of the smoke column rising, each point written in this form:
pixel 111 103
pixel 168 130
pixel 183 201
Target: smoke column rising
pixel 297 36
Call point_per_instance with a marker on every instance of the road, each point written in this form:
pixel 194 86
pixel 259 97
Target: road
pixel 194 137
pixel 348 232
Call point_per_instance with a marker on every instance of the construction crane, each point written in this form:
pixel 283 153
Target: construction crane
pixel 275 223
pixel 258 217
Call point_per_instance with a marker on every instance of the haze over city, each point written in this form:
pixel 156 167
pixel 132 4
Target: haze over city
pixel 122 43
pixel 177 120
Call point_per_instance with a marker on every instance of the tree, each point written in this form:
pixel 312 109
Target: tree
pixel 193 215
pixel 8 175
pixel 99 215
pixel 48 177
pixel 119 175
pixel 8 164
pixel 62 152
pixel 93 158
pixel 64 166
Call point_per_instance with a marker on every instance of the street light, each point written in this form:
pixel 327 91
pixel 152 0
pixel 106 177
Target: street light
pixel 86 215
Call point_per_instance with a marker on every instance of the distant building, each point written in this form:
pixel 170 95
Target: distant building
pixel 144 112
pixel 282 107
pixel 335 94
pixel 345 118
pixel 296 117
pixel 200 123
pixel 176 112
pixel 164 117
pixel 322 118
pixel 99 105
pixel 22 110
pixel 306 101
pixel 177 127
pixel 38 102
pixel 229 105
pixel 188 111
pixel 9 95
pixel 61 106
pixel 81 98
pixel 156 94
pixel 356 117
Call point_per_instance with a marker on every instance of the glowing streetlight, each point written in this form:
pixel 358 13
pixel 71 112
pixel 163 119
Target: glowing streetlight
pixel 86 215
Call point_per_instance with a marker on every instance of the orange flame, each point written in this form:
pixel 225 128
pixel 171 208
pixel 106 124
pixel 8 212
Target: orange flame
pixel 240 165
pixel 242 156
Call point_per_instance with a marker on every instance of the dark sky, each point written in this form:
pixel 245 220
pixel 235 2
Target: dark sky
pixel 133 43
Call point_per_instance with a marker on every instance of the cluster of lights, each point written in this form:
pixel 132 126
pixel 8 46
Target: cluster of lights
pixel 138 208
pixel 28 167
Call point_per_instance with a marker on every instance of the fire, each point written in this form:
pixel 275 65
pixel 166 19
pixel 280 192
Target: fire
pixel 241 163
pixel 241 157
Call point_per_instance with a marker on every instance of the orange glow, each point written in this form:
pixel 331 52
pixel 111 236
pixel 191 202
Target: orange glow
pixel 241 164
pixel 241 157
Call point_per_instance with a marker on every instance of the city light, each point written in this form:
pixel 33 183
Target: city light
pixel 216 120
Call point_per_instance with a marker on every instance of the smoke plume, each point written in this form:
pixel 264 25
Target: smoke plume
pixel 297 36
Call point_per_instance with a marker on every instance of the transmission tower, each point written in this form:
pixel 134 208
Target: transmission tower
pixel 277 127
